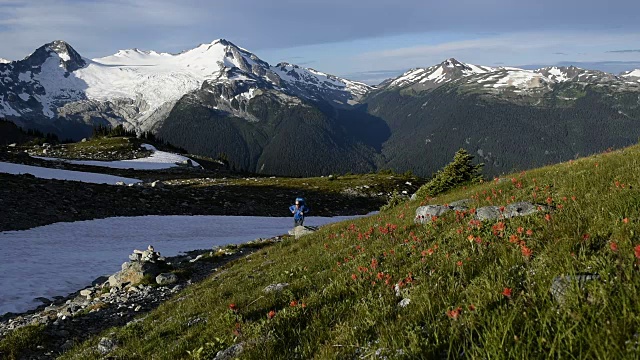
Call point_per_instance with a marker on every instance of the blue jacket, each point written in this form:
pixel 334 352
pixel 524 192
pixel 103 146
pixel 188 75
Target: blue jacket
pixel 298 213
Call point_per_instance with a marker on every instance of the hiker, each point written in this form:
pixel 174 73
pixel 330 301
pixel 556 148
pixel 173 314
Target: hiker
pixel 299 210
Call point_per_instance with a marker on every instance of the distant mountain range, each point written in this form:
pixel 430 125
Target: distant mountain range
pixel 285 119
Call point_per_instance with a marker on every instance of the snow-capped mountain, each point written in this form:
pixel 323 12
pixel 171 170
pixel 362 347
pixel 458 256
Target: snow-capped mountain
pixel 559 74
pixel 507 82
pixel 633 75
pixel 434 76
pixel 4 61
pixel 310 82
pixel 139 88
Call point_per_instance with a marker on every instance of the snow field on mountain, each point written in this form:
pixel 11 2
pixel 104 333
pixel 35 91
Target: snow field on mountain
pixel 58 174
pixel 157 161
pixel 60 258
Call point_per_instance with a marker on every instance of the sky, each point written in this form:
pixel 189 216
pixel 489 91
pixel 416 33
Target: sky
pixel 365 40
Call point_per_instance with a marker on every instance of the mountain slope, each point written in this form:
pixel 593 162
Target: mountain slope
pixel 388 287
pixel 272 132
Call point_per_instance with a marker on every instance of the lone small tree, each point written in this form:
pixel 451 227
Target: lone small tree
pixel 458 172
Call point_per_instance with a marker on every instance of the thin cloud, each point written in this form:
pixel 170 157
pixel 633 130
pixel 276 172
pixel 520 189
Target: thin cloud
pixel 625 51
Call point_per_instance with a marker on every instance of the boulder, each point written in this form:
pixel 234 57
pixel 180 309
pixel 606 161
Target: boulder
pixel 561 284
pixel 488 213
pixel 166 279
pixel 460 205
pixel 275 287
pixel 300 231
pixel 157 184
pixel 106 345
pixel 230 353
pixel 519 209
pixel 133 273
pixel 425 213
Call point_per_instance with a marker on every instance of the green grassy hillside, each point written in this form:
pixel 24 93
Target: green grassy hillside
pixel 474 290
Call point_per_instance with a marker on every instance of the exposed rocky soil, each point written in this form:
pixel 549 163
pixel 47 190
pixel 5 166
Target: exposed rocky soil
pixel 72 319
pixel 26 201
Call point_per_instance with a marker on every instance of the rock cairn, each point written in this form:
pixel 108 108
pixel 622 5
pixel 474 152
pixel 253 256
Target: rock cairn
pixel 147 264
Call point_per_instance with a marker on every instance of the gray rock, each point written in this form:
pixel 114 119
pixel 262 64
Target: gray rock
pixel 425 213
pixel 488 213
pixel 231 352
pixel 83 140
pixel 43 300
pixel 460 205
pixel 121 183
pixel 106 345
pixel 157 184
pixel 86 292
pixel 13 145
pixel 561 284
pixel 519 209
pixel 187 162
pixel 133 274
pixel 413 197
pixel 275 287
pixel 300 231
pixel 166 279
pixel 67 345
pixel 100 280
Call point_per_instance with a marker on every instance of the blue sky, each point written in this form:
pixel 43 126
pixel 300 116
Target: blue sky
pixel 362 40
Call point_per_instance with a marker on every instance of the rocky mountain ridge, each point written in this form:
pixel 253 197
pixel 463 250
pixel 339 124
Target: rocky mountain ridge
pixel 137 88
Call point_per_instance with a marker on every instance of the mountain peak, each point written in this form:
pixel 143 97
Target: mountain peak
pixel 69 59
pixel 4 61
pixel 452 62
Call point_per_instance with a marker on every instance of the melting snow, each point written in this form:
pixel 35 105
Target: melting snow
pixel 58 174
pixel 558 75
pixel 632 74
pixel 522 79
pixel 61 258
pixel 158 160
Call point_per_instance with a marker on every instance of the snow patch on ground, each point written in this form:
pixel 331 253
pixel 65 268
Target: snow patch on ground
pixel 58 174
pixel 157 161
pixel 632 74
pixel 521 79
pixel 558 75
pixel 61 258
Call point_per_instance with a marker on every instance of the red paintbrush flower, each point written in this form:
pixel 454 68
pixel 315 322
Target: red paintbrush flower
pixel 453 314
pixel 507 292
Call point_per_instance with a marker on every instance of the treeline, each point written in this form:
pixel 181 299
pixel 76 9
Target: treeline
pixel 120 131
pixel 11 133
pixel 427 129
pixel 287 140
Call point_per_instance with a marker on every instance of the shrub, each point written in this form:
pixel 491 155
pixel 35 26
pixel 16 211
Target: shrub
pixel 395 200
pixel 460 171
